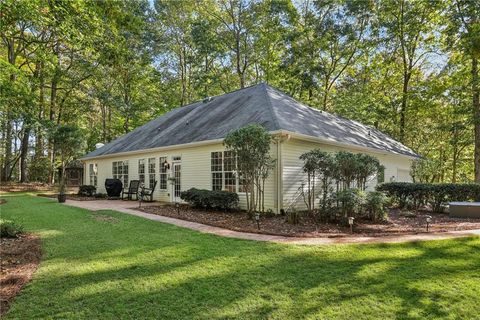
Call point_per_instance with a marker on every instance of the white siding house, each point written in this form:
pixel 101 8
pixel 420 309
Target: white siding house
pixel 189 139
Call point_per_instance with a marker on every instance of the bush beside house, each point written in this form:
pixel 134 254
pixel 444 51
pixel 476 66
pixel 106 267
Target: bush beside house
pixel 201 198
pixel 415 195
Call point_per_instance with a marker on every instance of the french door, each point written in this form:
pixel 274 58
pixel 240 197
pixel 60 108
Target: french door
pixel 177 184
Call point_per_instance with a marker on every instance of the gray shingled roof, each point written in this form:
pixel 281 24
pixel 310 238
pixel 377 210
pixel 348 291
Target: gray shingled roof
pixel 262 104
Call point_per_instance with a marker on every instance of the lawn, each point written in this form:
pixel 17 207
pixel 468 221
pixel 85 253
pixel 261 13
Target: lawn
pixel 110 265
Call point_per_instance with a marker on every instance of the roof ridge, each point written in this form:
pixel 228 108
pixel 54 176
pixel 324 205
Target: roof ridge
pixel 269 103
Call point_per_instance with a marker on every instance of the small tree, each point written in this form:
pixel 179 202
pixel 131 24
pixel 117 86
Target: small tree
pixel 347 168
pixel 366 167
pixel 317 164
pixel 310 167
pixel 251 145
pixel 68 144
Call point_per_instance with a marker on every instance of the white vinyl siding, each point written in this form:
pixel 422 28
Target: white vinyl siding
pixel 196 171
pixel 293 174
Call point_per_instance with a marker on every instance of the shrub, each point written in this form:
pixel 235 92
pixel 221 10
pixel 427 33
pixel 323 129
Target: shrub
pixel 86 190
pixel 293 216
pixel 9 229
pixel 376 203
pixel 350 201
pixel 202 198
pixel 436 195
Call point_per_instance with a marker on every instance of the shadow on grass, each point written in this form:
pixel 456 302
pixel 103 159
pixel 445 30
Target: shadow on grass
pixel 142 269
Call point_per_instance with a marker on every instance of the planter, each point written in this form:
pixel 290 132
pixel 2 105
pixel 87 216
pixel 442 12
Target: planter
pixel 62 198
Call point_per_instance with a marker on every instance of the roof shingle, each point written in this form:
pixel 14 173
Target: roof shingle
pixel 261 104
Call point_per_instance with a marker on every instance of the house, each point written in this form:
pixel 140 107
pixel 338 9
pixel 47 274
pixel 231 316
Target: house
pixel 186 144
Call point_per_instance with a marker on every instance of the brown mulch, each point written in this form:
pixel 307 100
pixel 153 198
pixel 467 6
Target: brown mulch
pixel 70 197
pixel 19 260
pixel 26 187
pixel 397 223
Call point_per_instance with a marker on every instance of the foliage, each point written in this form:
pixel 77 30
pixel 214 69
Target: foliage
pixel 87 190
pixel 251 145
pixel 39 170
pixel 10 229
pixel 425 170
pixel 319 165
pixel 350 202
pixel 68 144
pixel 436 195
pixel 144 256
pixel 408 68
pixel 293 216
pixel 201 198
pixel 376 205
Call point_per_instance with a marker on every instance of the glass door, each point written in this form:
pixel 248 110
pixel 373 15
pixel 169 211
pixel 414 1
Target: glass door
pixel 177 184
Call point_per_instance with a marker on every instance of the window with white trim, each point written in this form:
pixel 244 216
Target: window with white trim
pixel 163 174
pixel 120 171
pixel 141 170
pixel 224 175
pixel 93 174
pixel 151 172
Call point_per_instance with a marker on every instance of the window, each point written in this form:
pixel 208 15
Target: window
pixel 229 165
pixel 120 171
pixel 163 174
pixel 93 171
pixel 217 171
pixel 151 172
pixel 224 175
pixel 141 170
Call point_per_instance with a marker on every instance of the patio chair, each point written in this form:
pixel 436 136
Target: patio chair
pixel 131 190
pixel 147 193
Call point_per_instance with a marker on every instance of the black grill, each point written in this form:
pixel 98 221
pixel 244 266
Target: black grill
pixel 113 187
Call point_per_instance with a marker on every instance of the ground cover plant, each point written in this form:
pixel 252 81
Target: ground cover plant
pixel 131 268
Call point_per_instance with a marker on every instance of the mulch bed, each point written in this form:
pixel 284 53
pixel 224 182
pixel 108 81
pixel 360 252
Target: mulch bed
pixel 26 187
pixel 238 221
pixel 70 197
pixel 19 260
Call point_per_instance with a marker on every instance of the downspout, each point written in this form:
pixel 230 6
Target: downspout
pixel 279 186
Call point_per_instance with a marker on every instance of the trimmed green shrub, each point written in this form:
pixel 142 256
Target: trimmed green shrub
pixel 202 198
pixel 417 194
pixel 87 191
pixel 375 205
pixel 350 201
pixel 9 229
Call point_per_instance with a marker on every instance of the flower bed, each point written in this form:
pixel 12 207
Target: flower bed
pixel 398 223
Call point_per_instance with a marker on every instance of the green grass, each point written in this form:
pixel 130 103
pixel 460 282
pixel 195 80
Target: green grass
pixel 136 268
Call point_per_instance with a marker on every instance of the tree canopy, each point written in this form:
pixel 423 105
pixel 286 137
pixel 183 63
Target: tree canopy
pixel 408 68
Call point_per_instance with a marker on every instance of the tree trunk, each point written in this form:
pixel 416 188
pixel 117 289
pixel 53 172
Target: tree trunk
pixel 24 154
pixel 403 107
pixel 53 103
pixel 7 167
pixel 41 104
pixel 476 115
